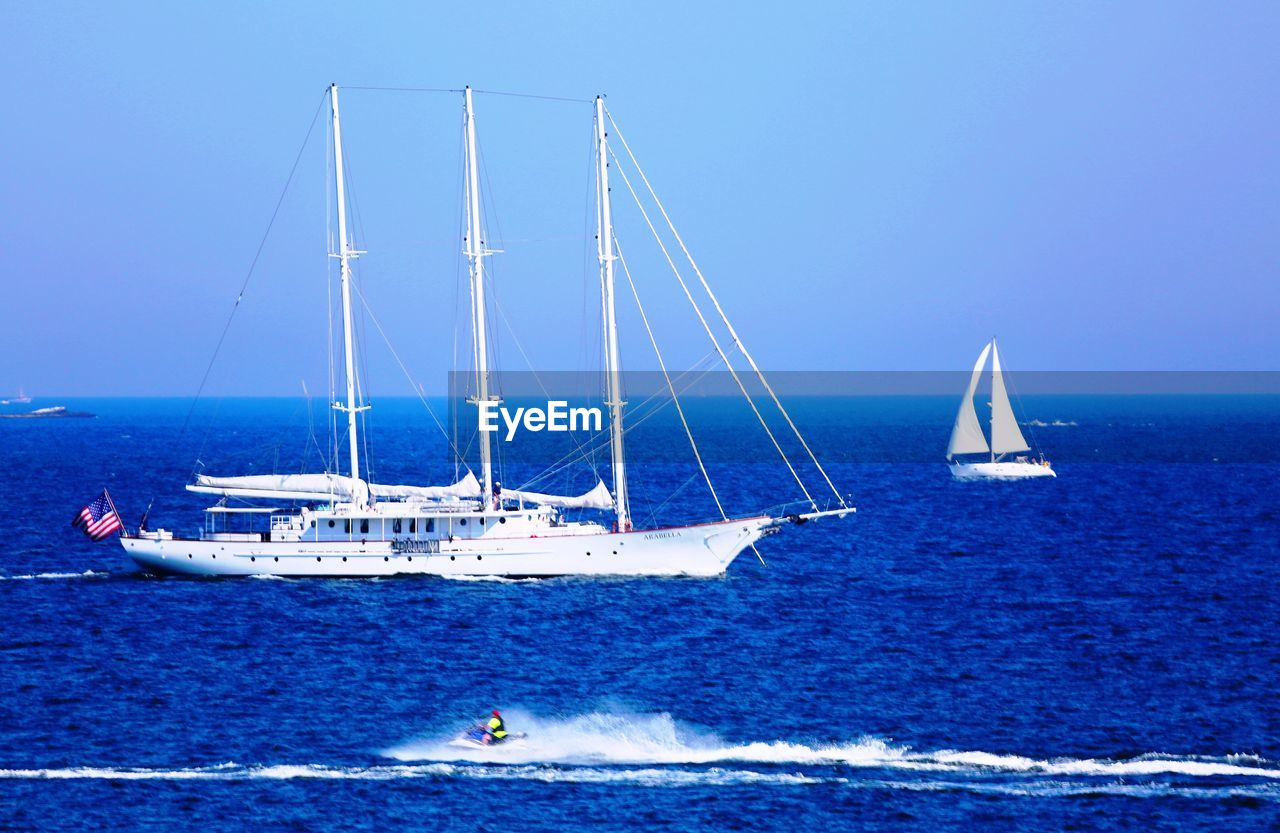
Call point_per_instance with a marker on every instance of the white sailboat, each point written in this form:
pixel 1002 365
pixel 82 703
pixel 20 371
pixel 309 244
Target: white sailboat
pixel 1006 436
pixel 343 525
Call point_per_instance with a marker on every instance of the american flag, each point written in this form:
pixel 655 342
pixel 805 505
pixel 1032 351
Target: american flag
pixel 99 519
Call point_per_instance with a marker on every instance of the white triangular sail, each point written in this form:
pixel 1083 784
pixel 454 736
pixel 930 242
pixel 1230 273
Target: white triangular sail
pixel 966 435
pixel 1006 436
pixel 597 498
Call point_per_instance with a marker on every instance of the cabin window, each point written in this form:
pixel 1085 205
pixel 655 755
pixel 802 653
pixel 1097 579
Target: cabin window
pixel 313 524
pixel 347 525
pixel 364 525
pixel 413 524
pixel 431 524
pixel 395 526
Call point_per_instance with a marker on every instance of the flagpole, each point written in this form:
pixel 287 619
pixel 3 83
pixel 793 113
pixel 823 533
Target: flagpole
pixel 117 511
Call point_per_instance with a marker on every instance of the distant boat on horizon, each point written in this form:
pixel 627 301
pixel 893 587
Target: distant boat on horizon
pixel 1006 436
pixel 52 412
pixel 20 399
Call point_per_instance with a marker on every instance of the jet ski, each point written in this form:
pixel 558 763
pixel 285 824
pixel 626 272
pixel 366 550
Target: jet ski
pixel 474 737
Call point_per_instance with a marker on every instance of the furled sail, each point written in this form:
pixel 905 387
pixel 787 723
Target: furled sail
pixel 467 487
pixel 1006 436
pixel 966 435
pixel 327 487
pixel 283 486
pixel 597 498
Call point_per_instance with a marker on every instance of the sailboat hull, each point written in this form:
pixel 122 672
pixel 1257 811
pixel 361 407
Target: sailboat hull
pixel 1017 470
pixel 700 550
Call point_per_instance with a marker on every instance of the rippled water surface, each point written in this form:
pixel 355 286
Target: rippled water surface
pixel 1093 652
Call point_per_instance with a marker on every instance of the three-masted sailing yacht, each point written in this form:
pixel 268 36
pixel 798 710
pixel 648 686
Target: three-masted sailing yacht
pixel 1006 436
pixel 344 525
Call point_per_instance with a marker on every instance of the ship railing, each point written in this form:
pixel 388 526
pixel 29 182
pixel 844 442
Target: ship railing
pixel 230 537
pixel 286 523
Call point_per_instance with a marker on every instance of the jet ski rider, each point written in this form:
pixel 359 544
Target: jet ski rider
pixel 495 731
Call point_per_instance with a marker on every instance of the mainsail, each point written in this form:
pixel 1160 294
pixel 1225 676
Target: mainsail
pixel 327 487
pixel 281 486
pixel 467 487
pixel 597 498
pixel 966 435
pixel 1006 437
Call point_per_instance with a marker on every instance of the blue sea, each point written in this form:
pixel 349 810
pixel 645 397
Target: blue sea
pixel 1093 652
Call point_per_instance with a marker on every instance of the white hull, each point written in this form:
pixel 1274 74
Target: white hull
pixel 701 550
pixel 1000 471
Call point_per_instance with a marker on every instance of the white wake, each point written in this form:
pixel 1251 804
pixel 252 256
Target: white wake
pixel 85 574
pixel 655 751
pixel 623 739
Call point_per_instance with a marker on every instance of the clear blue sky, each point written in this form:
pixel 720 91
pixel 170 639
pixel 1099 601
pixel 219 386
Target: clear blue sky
pixel 868 186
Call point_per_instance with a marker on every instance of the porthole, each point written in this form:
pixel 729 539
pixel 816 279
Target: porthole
pixel 344 558
pixel 215 555
pixel 615 552
pixel 588 552
pixel 253 558
pixel 277 558
pixel 317 558
pixel 453 558
pixel 479 558
pixel 385 558
pixel 331 524
pixel 462 522
pixel 502 520
pixel 411 558
pixel 189 555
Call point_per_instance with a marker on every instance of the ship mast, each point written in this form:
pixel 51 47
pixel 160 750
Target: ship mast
pixel 612 359
pixel 995 363
pixel 476 253
pixel 345 254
